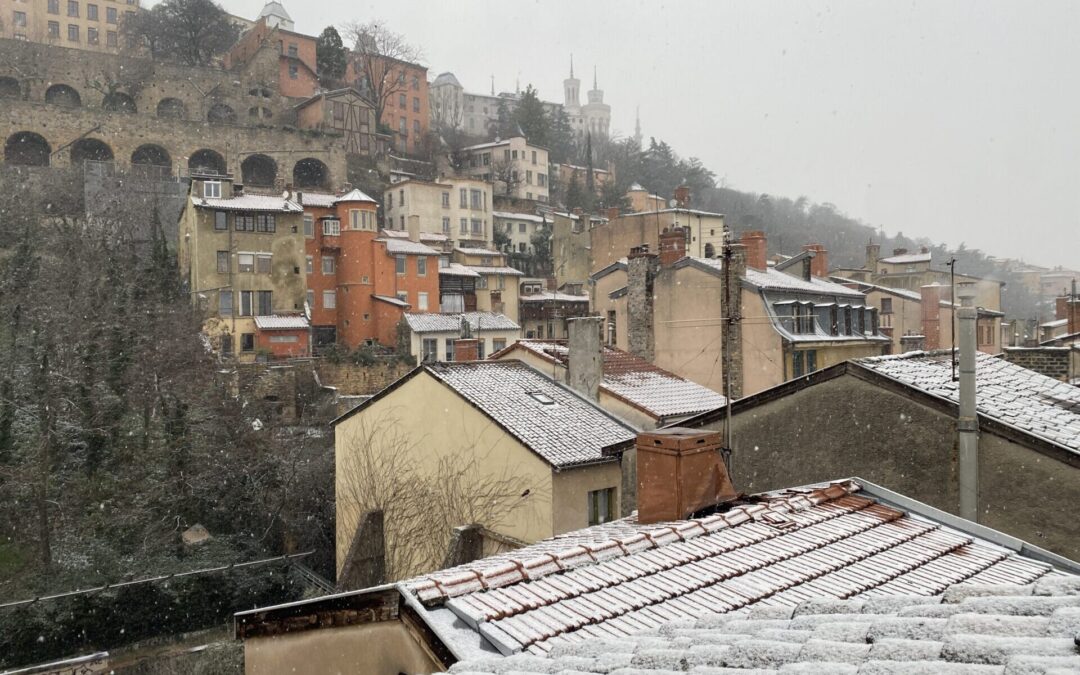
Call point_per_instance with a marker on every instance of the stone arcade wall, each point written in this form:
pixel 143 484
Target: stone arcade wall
pixel 172 106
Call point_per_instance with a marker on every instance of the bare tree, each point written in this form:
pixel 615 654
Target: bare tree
pixel 505 172
pixel 422 502
pixel 379 55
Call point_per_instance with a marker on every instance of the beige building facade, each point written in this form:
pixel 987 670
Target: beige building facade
pixel 516 168
pixel 457 208
pixel 93 25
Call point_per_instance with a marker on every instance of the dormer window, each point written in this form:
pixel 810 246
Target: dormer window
pixel 212 189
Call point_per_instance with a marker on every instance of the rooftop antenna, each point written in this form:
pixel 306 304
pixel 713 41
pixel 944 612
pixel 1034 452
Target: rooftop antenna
pixel 493 84
pixel 725 451
pixel 952 314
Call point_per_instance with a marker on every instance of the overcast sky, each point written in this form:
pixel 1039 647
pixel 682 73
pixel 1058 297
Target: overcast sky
pixel 958 121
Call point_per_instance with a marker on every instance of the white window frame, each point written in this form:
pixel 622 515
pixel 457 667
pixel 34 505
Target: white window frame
pixel 331 227
pixel 211 189
pixel 421 301
pixel 329 299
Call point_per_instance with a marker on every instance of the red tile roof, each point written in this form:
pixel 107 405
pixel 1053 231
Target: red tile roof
pixel 623 578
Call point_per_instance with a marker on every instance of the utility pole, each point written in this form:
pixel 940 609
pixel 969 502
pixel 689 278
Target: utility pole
pixel 968 422
pixel 952 313
pixel 725 354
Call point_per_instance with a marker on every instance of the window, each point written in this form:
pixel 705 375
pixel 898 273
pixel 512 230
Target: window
pixel 541 179
pixel 446 224
pixel 223 262
pixel 477 227
pixel 220 220
pixel 481 283
pixel 430 349
pixel 486 160
pixel 54 6
pixel 401 197
pixel 54 29
pixel 444 262
pixel 399 264
pixel 450 348
pixel 293 52
pixel 20 19
pixel 401 101
pixel 244 222
pixel 247 342
pixel 506 155
pixel 402 296
pixel 110 15
pixel 534 157
pixel 611 328
pixel 331 227
pixel 73 33
pixel 416 108
pixel 513 154
pixel 284 338
pixel 245 303
pixel 389 201
pixel 328 264
pixel 446 200
pixel 92 36
pixel 265 222
pixel 110 38
pixel 421 302
pixel 416 129
pixel 264 263
pixel 266 303
pixel 310 298
pixel 309 264
pixel 91 12
pixel 212 189
pixel 294 71
pixel 886 305
pixel 73 8
pixel 522 227
pixel 521 247
pixel 245 262
pixel 464 194
pixel 403 126
pixel 528 177
pixel 601 505
pixel 329 299
pixel 477 203
pixel 803 363
pixel 464 225
pixel 421 266
pixel 309 225
pixel 225 304
pixel 498 344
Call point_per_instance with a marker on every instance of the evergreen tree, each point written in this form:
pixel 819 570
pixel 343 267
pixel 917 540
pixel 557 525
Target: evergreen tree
pixel 505 126
pixel 331 55
pixel 562 145
pixel 531 118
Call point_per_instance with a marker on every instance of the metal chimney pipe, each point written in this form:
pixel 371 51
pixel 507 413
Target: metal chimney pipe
pixel 968 422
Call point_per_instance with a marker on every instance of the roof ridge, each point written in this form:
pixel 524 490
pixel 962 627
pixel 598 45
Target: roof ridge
pixel 434 589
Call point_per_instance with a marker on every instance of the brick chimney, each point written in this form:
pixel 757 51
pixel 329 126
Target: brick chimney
pixel 672 246
pixel 577 211
pixel 612 212
pixel 731 305
pixel 756 249
pixel 931 315
pixel 466 349
pixel 682 196
pixel 819 265
pixel 586 367
pixel 680 472
pixel 873 252
pixel 640 277
pixel 899 251
pixel 1061 307
pixel 1073 315
pixel 414 228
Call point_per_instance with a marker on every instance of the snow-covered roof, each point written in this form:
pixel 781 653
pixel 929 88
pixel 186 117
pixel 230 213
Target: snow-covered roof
pixel 1057 323
pixel 451 323
pixel 424 236
pixel 320 200
pixel 391 300
pixel 468 250
pixel 396 246
pixel 507 215
pixel 773 280
pixel 1008 393
pixel 906 258
pixel 549 296
pixel 354 195
pixel 281 322
pixel 274 8
pixel 249 202
pixel 457 270
pixel 506 271
pixel 446 79
pixel 655 391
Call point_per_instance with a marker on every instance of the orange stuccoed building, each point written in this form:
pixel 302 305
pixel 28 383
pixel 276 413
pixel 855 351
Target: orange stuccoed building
pixel 360 282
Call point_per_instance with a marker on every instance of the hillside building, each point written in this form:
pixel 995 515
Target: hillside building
pixel 407 112
pixel 76 24
pixel 516 168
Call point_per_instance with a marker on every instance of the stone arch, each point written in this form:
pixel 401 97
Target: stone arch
pixel 310 172
pixel 9 88
pixel 258 171
pixel 26 148
pixel 62 94
pixel 207 161
pixel 90 149
pixel 151 154
pixel 172 108
pixel 118 101
pixel 220 113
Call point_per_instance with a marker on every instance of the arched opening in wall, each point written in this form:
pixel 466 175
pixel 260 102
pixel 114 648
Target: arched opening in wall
pixel 220 113
pixel 61 94
pixel 172 108
pixel 309 173
pixel 90 149
pixel 120 102
pixel 151 155
pixel 207 161
pixel 258 171
pixel 9 88
pixel 710 251
pixel 26 148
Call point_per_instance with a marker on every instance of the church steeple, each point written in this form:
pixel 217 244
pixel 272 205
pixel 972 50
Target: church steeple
pixel 637 126
pixel 596 95
pixel 571 88
pixel 594 79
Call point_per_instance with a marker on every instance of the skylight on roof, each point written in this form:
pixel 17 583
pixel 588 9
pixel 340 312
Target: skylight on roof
pixel 541 397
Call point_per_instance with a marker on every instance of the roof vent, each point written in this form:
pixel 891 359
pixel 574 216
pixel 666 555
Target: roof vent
pixel 680 472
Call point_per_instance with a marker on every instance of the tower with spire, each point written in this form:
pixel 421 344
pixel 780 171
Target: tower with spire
pixel 596 115
pixel 637 126
pixel 571 87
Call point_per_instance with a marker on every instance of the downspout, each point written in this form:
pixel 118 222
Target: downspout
pixel 968 422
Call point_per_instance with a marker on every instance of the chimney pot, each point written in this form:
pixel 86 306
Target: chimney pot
pixel 873 252
pixel 756 249
pixel 930 307
pixel 613 213
pixel 585 369
pixel 672 246
pixel 819 265
pixel 679 472
pixel 414 228
pixel 682 196
pixel 466 349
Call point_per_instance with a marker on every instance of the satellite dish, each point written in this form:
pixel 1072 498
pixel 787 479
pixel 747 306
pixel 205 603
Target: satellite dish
pixel 673 203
